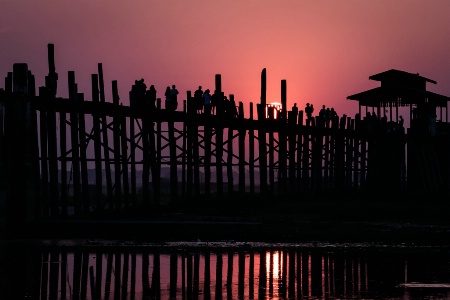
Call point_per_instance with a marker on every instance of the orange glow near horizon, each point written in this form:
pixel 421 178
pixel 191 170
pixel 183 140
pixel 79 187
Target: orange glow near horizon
pixel 325 50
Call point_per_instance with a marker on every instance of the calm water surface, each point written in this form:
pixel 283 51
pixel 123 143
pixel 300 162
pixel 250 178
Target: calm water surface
pixel 225 271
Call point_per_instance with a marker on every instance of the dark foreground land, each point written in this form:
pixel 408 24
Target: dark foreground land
pixel 335 222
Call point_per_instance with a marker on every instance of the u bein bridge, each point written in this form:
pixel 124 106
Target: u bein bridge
pixel 64 157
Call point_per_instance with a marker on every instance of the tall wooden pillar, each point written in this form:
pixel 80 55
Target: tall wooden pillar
pixel 20 130
pixel 219 135
pixel 242 132
pixel 261 108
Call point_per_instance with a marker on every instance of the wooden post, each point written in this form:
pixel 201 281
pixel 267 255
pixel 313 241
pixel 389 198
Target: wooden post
pixel 348 155
pixel 356 153
pixel 44 205
pixel 146 157
pixel 207 160
pixel 83 156
pixel 331 156
pixel 19 154
pixel 190 141
pixel 282 141
pixel 196 158
pixel 283 100
pixel 156 168
pixel 339 173
pixel 105 139
pixel 116 149
pixel 299 145
pixel 242 132
pixel 74 142
pixel 63 159
pixel 219 136
pixel 124 158
pixel 173 161
pixel 262 136
pixel 52 156
pixel 316 158
pixel 326 162
pixel 291 152
pixel 230 153
pixel 363 170
pixel 133 155
pixel 271 160
pixel 51 83
pixel 2 143
pixel 251 156
pixel 183 157
pixel 306 160
pixel 97 144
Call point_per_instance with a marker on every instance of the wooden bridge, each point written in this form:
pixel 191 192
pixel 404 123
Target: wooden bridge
pixel 72 157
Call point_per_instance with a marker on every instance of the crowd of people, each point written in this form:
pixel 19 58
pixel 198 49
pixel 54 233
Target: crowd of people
pixel 374 124
pixel 205 102
pixel 327 116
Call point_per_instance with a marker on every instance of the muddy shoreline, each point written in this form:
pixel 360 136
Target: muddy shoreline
pixel 395 223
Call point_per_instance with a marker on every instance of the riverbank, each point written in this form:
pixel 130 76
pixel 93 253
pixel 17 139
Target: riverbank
pixel 417 223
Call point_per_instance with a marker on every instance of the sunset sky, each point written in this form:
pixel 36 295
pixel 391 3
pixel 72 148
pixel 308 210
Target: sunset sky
pixel 325 49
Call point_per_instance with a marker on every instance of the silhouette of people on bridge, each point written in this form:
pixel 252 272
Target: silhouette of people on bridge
pixel 295 109
pixel 207 102
pixel 152 96
pixel 309 109
pixel 171 98
pixel 168 99
pixel 198 99
pixel 174 97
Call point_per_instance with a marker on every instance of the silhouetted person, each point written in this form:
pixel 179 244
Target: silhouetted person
pixel 334 117
pixel 141 86
pixel 169 104
pixel 309 109
pixel 152 96
pixel 174 96
pixel 295 112
pixel 323 112
pixel 207 102
pixel 327 117
pixel 198 96
pixel 138 92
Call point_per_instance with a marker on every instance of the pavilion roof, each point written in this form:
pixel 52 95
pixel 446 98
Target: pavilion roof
pixel 401 96
pixel 399 88
pixel 398 75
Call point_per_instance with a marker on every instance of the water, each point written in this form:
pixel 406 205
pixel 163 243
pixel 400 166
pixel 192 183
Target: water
pixel 224 271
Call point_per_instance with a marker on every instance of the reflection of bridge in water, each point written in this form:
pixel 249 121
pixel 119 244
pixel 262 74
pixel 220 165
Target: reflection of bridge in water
pixel 215 273
pixel 99 156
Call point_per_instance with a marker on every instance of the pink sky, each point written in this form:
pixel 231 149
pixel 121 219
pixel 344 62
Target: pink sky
pixel 325 49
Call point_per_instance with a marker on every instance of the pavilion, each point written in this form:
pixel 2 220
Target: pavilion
pixel 403 89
